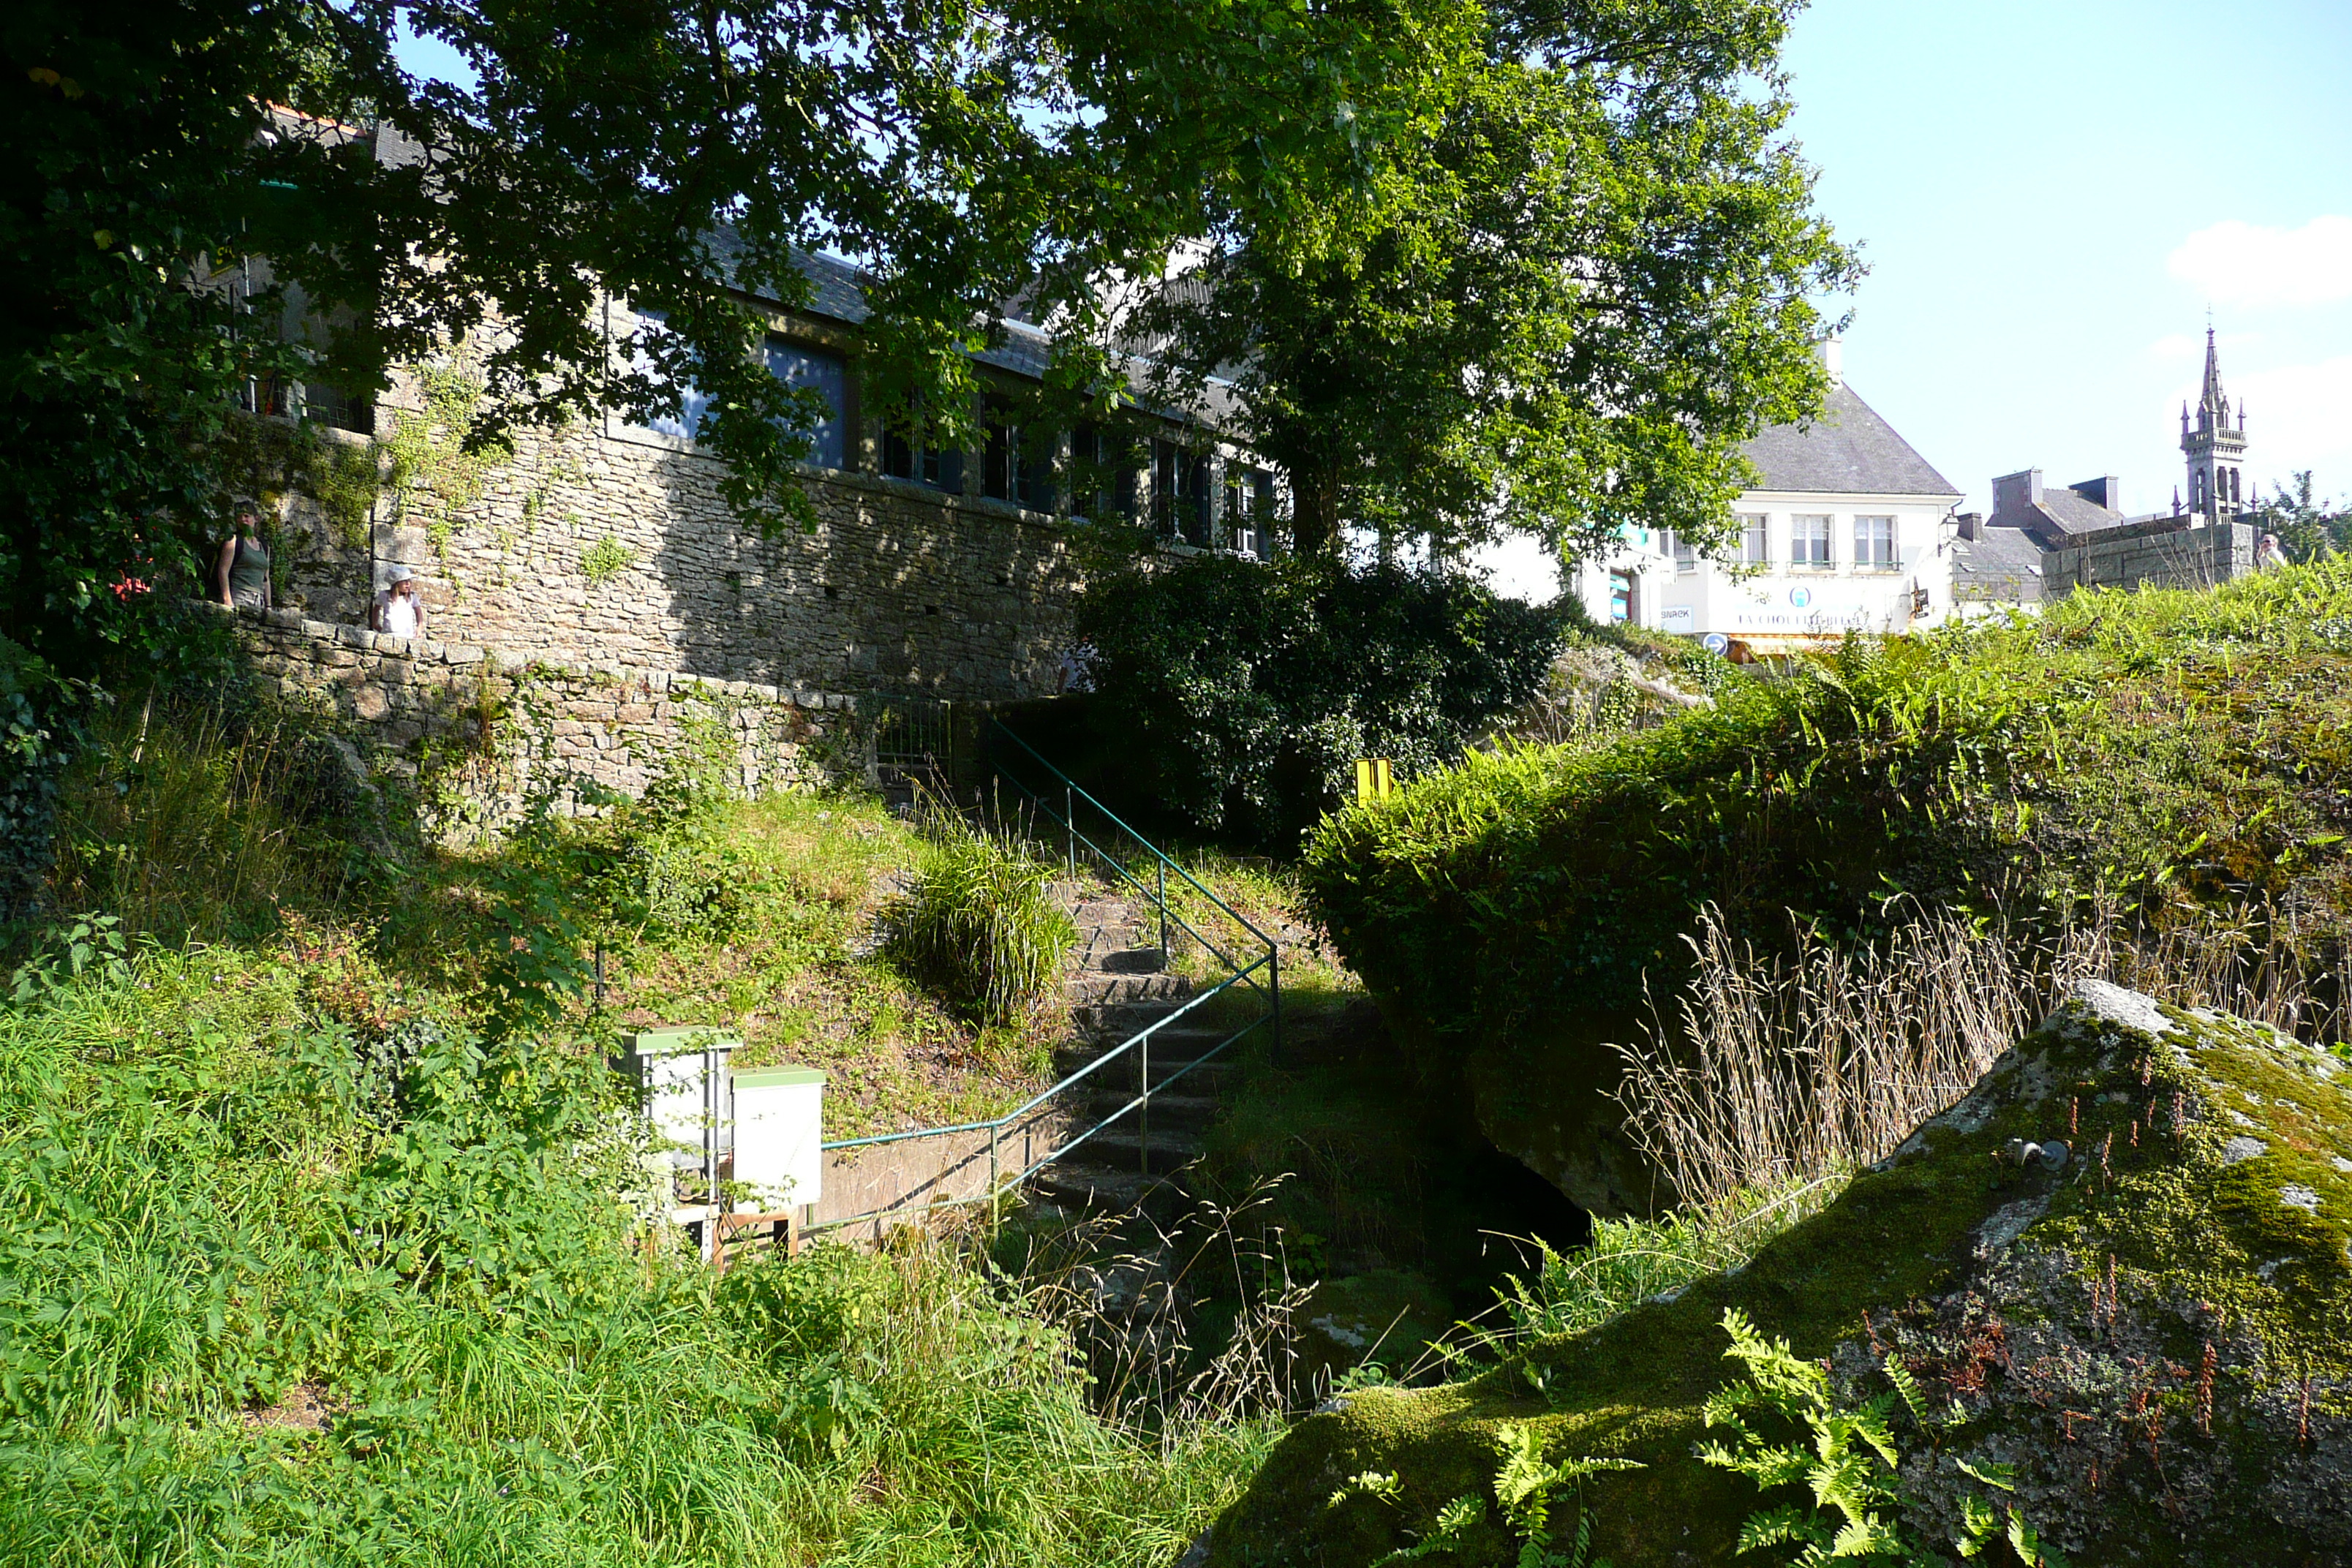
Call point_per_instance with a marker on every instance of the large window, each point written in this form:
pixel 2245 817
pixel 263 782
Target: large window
pixel 1180 492
pixel 1755 543
pixel 827 373
pixel 694 405
pixel 1018 466
pixel 907 455
pixel 1874 544
pixel 1685 553
pixel 1809 542
pixel 1105 474
pixel 1249 510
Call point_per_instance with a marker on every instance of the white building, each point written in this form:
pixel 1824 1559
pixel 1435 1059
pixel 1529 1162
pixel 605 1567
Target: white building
pixel 1847 530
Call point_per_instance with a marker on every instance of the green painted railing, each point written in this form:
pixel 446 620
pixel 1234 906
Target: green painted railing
pixel 1058 812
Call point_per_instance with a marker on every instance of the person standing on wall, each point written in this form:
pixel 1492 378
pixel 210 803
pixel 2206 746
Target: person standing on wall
pixel 398 610
pixel 241 575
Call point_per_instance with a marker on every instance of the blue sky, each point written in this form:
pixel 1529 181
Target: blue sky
pixel 2050 192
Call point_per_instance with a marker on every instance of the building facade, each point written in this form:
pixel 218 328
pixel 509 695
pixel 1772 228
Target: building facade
pixel 1847 530
pixel 927 571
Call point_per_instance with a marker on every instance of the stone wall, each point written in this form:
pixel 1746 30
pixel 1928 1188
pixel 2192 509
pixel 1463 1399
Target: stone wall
pixel 483 726
pixel 2168 552
pixel 596 545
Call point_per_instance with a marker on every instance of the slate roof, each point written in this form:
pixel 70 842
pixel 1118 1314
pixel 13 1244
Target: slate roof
pixel 2001 565
pixel 1849 449
pixel 1024 348
pixel 2061 517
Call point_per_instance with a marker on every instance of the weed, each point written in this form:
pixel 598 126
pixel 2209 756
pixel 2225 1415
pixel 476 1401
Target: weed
pixel 605 559
pixel 981 922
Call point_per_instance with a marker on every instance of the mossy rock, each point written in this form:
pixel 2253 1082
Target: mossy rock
pixel 2157 1334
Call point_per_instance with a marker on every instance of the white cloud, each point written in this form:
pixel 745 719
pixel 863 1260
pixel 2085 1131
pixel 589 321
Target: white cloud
pixel 2249 266
pixel 2299 417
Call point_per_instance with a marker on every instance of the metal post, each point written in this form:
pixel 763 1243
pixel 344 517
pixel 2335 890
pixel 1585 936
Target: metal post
pixel 994 1174
pixel 1143 1139
pixel 1070 821
pixel 1274 971
pixel 1161 868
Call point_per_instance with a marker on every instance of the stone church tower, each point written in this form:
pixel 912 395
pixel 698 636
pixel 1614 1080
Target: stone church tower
pixel 2216 450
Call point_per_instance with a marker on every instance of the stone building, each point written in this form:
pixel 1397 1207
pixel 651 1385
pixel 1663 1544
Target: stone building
pixel 2042 541
pixel 607 543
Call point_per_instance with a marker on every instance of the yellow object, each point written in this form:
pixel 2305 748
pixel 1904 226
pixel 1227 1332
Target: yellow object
pixel 1372 780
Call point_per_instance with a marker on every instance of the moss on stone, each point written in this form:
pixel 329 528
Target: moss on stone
pixel 2155 1334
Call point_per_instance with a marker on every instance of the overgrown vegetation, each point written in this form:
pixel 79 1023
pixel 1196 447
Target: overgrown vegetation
pixel 289 1283
pixel 1243 694
pixel 2174 756
pixel 981 921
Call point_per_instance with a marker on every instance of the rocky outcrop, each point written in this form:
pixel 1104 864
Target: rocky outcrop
pixel 2117 1266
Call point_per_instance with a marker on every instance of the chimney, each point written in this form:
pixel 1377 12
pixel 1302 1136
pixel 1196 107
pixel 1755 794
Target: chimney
pixel 1971 525
pixel 2106 491
pixel 1831 349
pixel 2017 492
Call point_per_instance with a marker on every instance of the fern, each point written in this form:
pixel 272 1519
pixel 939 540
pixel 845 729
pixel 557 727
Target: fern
pixel 1846 1457
pixel 1524 1485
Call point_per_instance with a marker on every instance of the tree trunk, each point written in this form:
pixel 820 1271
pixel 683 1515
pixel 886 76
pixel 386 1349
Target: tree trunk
pixel 1314 510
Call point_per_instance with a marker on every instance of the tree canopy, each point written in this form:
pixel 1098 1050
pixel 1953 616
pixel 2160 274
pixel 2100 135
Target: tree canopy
pixel 1571 303
pixel 191 175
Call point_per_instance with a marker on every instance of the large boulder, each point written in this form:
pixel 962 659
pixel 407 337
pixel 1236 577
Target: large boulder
pixel 2153 1328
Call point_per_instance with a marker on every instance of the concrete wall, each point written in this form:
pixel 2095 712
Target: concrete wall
pixel 486 724
pixel 2168 552
pixel 897 588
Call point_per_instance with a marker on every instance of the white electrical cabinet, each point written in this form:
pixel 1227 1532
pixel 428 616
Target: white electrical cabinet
pixel 687 1084
pixel 780 1135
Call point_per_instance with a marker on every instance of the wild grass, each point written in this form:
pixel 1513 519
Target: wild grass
pixel 1775 1068
pixel 257 1314
pixel 1631 1260
pixel 980 921
pixel 194 822
pixel 1785 1066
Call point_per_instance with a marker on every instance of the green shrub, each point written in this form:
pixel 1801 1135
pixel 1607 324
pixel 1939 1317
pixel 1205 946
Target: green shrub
pixel 1247 692
pixel 2180 755
pixel 980 923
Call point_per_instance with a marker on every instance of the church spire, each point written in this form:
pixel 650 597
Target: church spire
pixel 2214 404
pixel 2216 451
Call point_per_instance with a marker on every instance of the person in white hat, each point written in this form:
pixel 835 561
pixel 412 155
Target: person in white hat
pixel 398 610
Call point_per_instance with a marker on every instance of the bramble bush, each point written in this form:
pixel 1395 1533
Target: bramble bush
pixel 1247 692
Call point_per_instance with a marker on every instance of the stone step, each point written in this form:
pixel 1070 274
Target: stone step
pixel 1173 1111
pixel 1096 989
pixel 1199 1077
pixel 1083 1183
pixel 1119 1148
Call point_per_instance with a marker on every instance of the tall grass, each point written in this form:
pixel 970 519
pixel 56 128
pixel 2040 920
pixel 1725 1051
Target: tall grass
pixel 1773 1068
pixel 195 821
pixel 250 1319
pixel 1778 1068
pixel 980 921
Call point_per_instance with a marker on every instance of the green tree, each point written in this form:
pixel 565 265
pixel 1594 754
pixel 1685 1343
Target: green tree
pixel 192 177
pixel 1573 300
pixel 2308 527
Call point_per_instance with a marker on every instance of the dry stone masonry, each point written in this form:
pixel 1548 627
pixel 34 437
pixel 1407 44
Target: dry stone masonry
pixel 601 545
pixel 491 724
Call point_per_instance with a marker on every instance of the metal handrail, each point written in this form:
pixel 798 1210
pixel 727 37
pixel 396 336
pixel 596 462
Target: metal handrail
pixel 1138 1043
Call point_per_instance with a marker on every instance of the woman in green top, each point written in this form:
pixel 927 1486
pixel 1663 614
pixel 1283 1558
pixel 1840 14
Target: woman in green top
pixel 242 574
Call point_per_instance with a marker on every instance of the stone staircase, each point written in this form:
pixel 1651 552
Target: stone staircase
pixel 1116 985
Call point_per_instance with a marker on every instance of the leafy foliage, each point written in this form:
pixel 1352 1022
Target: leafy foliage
pixel 1525 1484
pixel 1846 1457
pixel 981 922
pixel 1578 292
pixel 2309 526
pixel 2171 752
pixel 1249 692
